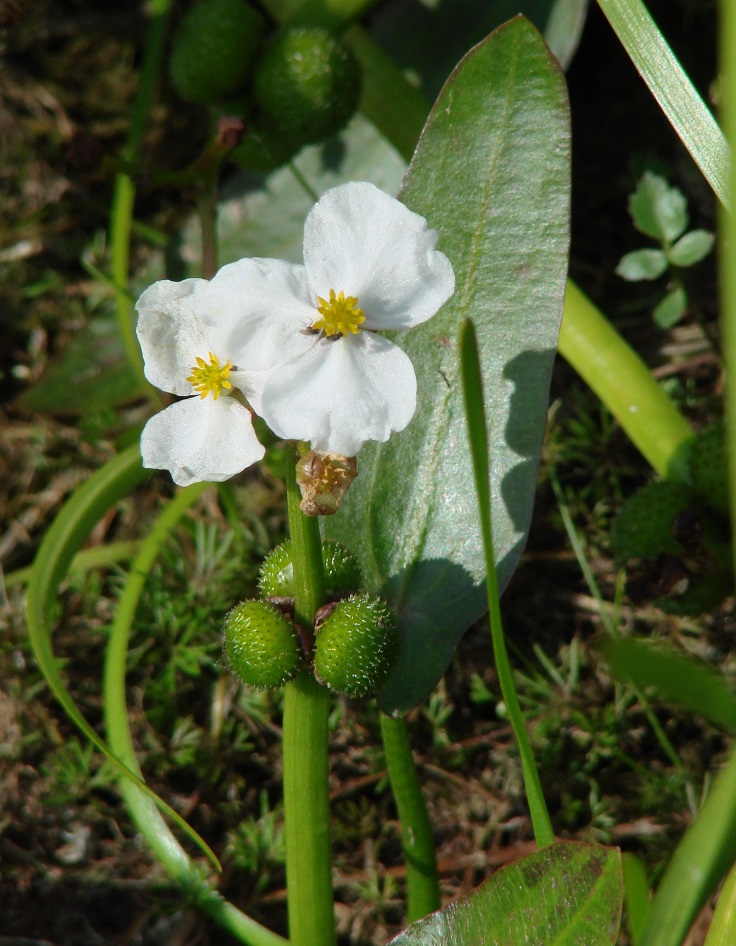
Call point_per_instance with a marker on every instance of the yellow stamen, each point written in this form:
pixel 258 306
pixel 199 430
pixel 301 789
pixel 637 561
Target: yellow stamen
pixel 340 314
pixel 210 378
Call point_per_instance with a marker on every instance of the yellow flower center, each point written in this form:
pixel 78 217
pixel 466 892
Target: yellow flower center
pixel 340 315
pixel 210 378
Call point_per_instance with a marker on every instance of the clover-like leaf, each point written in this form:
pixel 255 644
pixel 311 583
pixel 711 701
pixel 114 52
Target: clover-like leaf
pixel 658 210
pixel 691 248
pixel 642 264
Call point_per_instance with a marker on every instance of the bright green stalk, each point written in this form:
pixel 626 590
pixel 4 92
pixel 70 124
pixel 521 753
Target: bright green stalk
pixel 306 760
pixel 673 90
pixel 143 811
pixel 614 371
pixel 422 882
pixel 478 436
pixel 121 216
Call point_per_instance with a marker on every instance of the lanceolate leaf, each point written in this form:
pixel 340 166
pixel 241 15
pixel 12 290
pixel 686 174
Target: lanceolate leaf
pixel 491 173
pixel 564 895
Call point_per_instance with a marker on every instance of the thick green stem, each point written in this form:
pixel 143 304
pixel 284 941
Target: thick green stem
pixel 306 760
pixel 625 385
pixel 422 881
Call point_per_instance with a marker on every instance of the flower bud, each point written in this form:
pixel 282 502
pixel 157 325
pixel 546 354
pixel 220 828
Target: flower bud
pixel 261 645
pixel 323 479
pixel 356 645
pixel 342 573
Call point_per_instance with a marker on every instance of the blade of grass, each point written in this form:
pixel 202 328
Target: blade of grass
pixel 722 930
pixel 144 813
pixel 478 437
pixel 671 87
pixel 67 532
pixel 636 894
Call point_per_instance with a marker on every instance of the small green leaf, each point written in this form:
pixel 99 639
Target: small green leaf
pixel 501 211
pixel 642 264
pixel 691 248
pixel 671 309
pixel 564 895
pixel 677 678
pixel 658 210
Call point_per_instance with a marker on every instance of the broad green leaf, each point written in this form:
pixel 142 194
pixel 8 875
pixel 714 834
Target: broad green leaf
pixel 658 210
pixel 677 678
pixel 691 248
pixel 671 309
pixel 642 264
pixel 564 895
pixel 491 173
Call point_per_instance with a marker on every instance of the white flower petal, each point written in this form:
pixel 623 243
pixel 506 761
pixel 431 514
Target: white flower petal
pixel 170 333
pixel 256 311
pixel 340 394
pixel 367 244
pixel 201 439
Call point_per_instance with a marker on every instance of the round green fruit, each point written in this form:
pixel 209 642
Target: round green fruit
pixel 260 644
pixel 644 526
pixel 342 573
pixel 355 647
pixel 261 150
pixel 214 49
pixel 307 84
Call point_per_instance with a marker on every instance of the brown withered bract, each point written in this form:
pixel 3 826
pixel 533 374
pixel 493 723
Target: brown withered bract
pixel 323 479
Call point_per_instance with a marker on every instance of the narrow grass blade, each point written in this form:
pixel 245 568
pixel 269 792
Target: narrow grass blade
pixel 701 859
pixel 636 895
pixel 478 438
pixel 722 930
pixel 67 532
pixel 143 811
pixel 671 87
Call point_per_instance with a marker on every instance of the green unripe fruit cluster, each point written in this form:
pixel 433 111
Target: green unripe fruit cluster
pixel 307 84
pixel 643 528
pixel 261 644
pixel 356 646
pixel 342 572
pixel 214 50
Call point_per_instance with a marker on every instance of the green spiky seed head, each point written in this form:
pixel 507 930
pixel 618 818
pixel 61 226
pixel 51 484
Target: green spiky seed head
pixel 307 84
pixel 342 572
pixel 356 646
pixel 214 49
pixel 260 644
pixel 708 466
pixel 644 527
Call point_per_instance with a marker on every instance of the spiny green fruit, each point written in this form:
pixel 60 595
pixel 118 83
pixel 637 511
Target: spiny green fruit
pixel 708 466
pixel 643 528
pixel 342 573
pixel 260 644
pixel 214 49
pixel 307 84
pixel 356 646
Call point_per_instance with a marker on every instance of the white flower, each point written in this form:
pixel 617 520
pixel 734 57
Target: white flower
pixel 189 348
pixel 316 369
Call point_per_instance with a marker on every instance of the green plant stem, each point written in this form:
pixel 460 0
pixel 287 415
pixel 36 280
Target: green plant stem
pixel 478 436
pixel 623 382
pixel 672 88
pixel 422 880
pixel 306 760
pixel 143 811
pixel 121 216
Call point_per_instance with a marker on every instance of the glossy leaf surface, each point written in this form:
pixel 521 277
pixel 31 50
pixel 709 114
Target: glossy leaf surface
pixel 565 894
pixel 491 173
